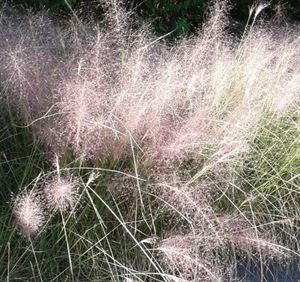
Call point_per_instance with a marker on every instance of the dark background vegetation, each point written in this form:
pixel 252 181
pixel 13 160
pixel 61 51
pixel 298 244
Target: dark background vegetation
pixel 179 16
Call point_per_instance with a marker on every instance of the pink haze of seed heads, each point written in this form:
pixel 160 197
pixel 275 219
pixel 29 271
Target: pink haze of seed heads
pixel 113 88
pixel 115 93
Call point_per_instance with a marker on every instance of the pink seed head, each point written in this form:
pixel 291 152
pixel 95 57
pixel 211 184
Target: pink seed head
pixel 61 193
pixel 29 214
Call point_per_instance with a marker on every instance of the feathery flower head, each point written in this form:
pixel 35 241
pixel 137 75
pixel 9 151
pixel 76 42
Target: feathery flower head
pixel 29 213
pixel 62 193
pixel 179 253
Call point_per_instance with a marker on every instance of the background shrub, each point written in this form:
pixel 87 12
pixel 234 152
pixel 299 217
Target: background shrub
pixel 176 16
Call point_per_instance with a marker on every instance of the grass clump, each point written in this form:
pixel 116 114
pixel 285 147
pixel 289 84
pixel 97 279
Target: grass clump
pixel 159 163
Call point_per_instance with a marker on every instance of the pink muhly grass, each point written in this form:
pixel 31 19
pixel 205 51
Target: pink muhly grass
pixel 116 88
pixel 61 193
pixel 182 256
pixel 29 48
pixel 251 242
pixel 29 213
pixel 246 237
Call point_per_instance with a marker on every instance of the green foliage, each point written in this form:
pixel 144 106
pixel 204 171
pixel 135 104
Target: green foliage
pixel 100 246
pixel 186 16
pixel 177 16
pixel 20 162
pixel 269 182
pixel 51 4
